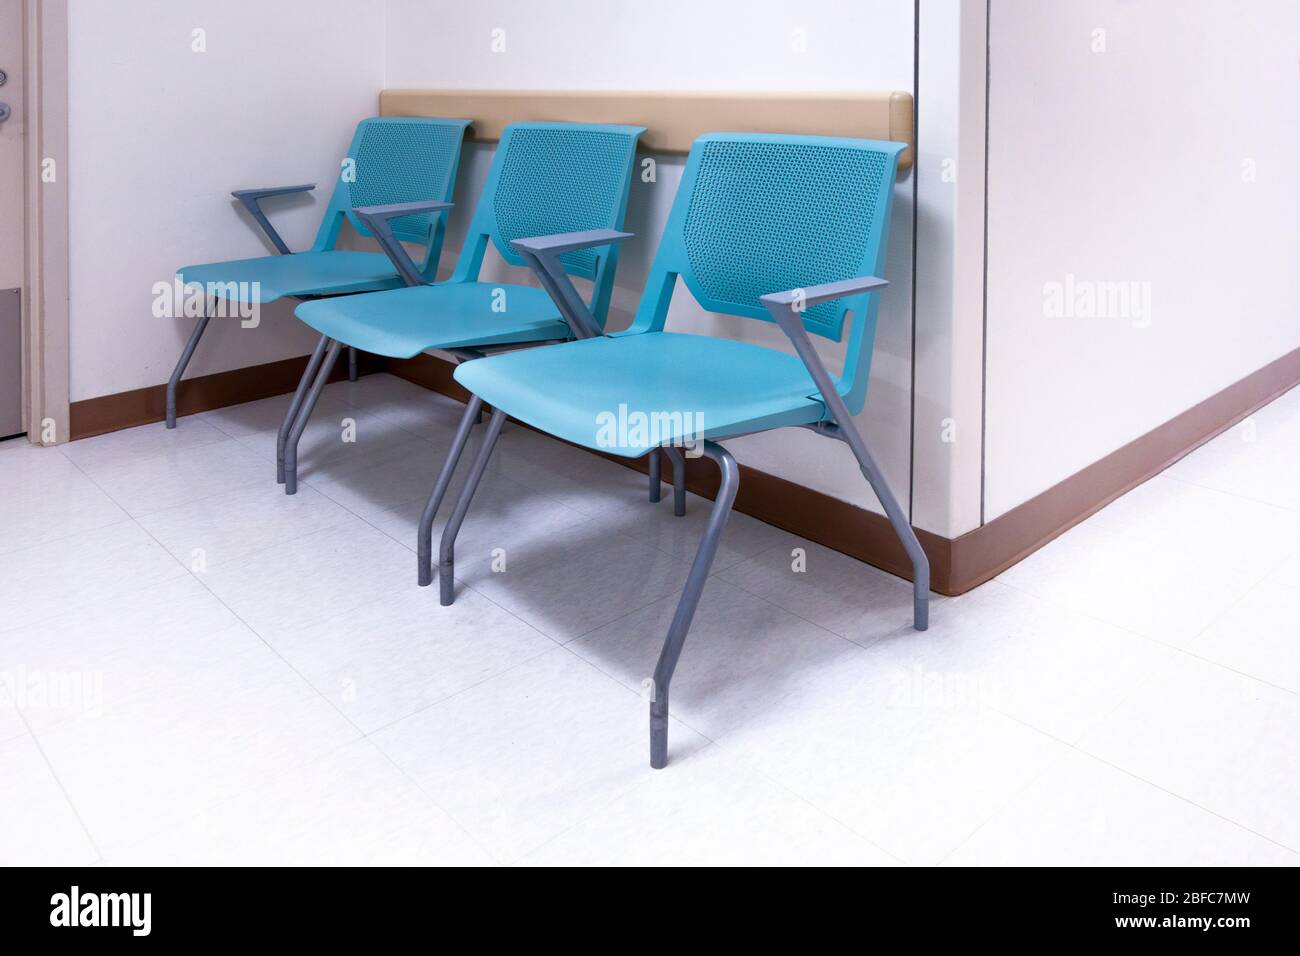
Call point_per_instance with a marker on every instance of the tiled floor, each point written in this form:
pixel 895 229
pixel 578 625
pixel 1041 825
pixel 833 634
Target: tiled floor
pixel 197 668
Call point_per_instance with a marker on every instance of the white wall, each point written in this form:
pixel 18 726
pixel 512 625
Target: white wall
pixel 159 135
pixel 1133 164
pixel 732 45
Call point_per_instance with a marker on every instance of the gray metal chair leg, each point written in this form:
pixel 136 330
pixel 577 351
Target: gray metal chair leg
pixel 300 423
pixel 848 434
pixel 447 550
pixel 679 479
pixel 656 476
pixel 186 355
pixel 690 599
pixel 352 364
pixel 902 527
pixel 295 406
pixel 424 541
pixel 841 426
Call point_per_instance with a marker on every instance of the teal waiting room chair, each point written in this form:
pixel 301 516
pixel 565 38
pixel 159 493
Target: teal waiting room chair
pixel 545 178
pixel 788 229
pixel 390 160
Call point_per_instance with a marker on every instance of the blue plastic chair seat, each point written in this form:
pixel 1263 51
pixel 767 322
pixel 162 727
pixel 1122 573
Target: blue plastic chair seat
pixel 330 272
pixel 404 322
pixel 572 390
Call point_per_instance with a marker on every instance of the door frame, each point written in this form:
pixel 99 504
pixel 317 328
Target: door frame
pixel 45 287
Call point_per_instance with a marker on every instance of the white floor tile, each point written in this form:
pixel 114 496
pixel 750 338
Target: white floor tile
pixel 1049 667
pixel 743 656
pixel 1083 812
pixel 387 659
pixel 578 580
pixel 11 724
pixel 1287 574
pixel 24 466
pixel 391 479
pixel 312 577
pixel 1158 589
pixel 1259 636
pixel 38 826
pixel 578 478
pixel 656 525
pixel 711 810
pixel 830 589
pixel 507 522
pixel 1222 529
pixel 52 579
pixel 1257 458
pixel 214 531
pixel 131 445
pixel 1223 741
pixel 336 435
pixel 84 664
pixel 350 807
pixel 48 500
pixel 522 757
pixel 169 753
pixel 913 776
pixel 142 486
pixel 408 406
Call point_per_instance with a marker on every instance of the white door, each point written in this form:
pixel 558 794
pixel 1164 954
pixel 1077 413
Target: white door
pixel 12 224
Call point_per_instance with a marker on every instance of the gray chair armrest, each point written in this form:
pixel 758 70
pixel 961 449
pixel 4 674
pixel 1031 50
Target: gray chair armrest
pixel 826 292
pixel 395 209
pixel 563 242
pixel 251 199
pixel 377 221
pixel 542 253
pixel 787 310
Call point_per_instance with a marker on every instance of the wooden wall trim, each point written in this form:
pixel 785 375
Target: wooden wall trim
pixel 957 564
pixel 986 552
pixel 141 406
pixel 673 119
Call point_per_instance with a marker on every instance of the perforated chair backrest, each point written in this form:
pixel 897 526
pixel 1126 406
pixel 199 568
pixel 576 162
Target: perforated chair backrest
pixel 549 178
pixel 393 160
pixel 758 213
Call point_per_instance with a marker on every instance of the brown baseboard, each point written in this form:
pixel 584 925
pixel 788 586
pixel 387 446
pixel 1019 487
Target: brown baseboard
pixel 141 406
pixel 959 564
pixel 956 565
pixel 986 552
